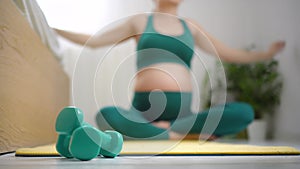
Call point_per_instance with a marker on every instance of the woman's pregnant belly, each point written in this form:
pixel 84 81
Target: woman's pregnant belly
pixel 165 77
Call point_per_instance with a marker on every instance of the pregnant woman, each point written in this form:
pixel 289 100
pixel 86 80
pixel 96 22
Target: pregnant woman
pixel 163 90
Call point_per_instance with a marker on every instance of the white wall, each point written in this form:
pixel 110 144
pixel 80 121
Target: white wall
pixel 238 23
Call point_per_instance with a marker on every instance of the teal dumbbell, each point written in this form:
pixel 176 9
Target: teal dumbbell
pixel 82 141
pixel 66 122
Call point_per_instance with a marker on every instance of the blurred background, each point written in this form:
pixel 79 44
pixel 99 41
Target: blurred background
pixel 245 24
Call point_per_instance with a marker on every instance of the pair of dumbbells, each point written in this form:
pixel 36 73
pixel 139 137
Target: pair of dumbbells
pixel 78 139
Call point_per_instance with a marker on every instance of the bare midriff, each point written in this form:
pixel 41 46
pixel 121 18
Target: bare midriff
pixel 171 77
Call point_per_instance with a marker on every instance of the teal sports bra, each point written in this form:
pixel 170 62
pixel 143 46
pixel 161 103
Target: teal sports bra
pixel 154 47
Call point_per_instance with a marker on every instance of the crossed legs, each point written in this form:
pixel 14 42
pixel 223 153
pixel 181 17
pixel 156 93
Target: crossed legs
pixel 234 118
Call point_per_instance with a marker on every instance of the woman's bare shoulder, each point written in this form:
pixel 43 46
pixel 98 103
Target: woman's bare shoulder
pixel 138 18
pixel 138 21
pixel 193 25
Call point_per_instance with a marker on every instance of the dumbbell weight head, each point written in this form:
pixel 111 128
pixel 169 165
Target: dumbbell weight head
pixel 114 147
pixel 85 143
pixel 62 145
pixel 67 121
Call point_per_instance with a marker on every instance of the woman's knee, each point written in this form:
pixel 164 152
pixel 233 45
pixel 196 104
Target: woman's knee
pixel 109 111
pixel 243 110
pixel 105 117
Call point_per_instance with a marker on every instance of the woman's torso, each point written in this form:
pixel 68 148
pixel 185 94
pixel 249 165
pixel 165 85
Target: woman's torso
pixel 165 76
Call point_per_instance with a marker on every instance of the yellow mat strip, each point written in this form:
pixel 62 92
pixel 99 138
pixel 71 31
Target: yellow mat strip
pixel 177 148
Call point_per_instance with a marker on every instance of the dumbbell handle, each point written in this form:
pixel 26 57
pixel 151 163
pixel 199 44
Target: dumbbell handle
pixel 105 138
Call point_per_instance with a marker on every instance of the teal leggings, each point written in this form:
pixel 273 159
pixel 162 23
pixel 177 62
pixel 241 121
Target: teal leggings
pixel 174 107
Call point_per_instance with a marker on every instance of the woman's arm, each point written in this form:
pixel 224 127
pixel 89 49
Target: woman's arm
pixel 78 38
pixel 117 34
pixel 205 41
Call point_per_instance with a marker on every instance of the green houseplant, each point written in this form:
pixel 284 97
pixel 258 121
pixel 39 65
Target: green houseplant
pixel 259 84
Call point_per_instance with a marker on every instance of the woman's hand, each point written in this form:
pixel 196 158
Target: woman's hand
pixel 275 48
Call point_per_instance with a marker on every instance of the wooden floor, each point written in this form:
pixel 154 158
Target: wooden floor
pixel 174 162
pixel 9 161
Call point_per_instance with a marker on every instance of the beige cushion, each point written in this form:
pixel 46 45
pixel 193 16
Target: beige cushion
pixel 34 87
